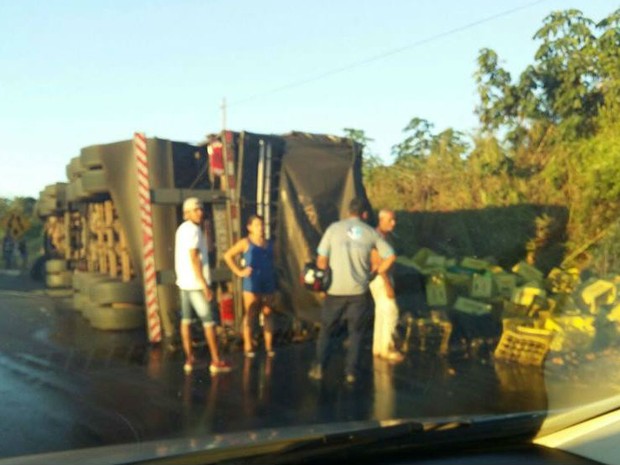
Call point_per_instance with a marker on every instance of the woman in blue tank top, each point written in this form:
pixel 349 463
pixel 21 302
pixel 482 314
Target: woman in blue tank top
pixel 259 283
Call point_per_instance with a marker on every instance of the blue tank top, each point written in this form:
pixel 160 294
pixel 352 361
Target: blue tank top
pixel 260 258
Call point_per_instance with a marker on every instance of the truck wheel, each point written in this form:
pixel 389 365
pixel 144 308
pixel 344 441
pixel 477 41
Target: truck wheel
pixel 71 197
pixel 113 292
pixel 53 190
pixel 43 210
pixel 80 276
pixel 75 192
pixel 94 182
pixel 78 189
pixel 115 319
pixel 59 280
pixel 55 266
pixel 74 169
pixel 87 282
pixel 47 203
pixel 91 157
pixel 80 302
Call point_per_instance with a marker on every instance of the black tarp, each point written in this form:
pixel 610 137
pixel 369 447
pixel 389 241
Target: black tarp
pixel 318 178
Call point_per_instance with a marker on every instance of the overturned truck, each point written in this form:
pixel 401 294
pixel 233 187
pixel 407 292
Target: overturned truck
pixel 111 225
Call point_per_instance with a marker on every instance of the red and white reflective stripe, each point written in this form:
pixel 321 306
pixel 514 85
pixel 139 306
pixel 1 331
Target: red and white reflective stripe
pixel 148 250
pixel 231 180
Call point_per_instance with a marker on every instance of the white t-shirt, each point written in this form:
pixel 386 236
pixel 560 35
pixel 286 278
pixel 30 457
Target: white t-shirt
pixel 189 236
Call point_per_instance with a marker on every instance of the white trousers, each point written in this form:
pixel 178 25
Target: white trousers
pixel 386 318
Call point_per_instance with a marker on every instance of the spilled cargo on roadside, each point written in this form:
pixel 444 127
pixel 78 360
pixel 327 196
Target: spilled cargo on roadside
pixel 519 314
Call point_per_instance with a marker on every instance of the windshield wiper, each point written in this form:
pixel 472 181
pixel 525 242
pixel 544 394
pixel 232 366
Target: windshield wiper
pixel 316 447
pixel 324 443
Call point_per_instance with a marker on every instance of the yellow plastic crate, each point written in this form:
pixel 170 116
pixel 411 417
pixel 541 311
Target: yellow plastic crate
pixel 599 292
pixel 525 346
pixel 528 272
pixel 525 295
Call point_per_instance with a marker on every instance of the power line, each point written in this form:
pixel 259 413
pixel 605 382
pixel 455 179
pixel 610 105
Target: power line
pixel 383 55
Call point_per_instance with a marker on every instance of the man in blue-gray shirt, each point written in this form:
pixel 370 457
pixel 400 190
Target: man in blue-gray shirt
pixel 345 248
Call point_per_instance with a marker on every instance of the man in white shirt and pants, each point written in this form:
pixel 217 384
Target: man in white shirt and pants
pixel 382 289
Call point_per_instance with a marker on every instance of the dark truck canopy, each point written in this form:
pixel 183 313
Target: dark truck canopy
pixel 319 177
pixel 314 177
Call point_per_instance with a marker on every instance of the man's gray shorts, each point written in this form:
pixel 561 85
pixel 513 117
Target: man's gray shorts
pixel 196 300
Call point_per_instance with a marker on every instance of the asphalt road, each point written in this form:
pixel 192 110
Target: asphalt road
pixel 65 385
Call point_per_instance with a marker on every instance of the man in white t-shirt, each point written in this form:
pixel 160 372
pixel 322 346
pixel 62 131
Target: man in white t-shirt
pixel 191 264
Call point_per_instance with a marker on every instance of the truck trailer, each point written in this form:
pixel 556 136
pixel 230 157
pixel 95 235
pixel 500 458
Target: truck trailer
pixel 111 224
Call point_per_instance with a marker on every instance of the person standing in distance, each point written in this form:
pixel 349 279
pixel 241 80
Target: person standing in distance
pixel 346 249
pixel 382 289
pixel 191 263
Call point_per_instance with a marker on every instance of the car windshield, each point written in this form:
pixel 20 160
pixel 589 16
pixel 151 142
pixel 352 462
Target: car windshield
pixel 230 223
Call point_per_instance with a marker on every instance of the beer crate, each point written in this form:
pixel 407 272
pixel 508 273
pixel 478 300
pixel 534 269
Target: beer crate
pixel 528 272
pixel 472 307
pixel 522 345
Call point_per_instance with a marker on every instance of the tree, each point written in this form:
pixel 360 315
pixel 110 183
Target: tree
pixel 370 161
pixel 564 87
pixel 496 92
pixel 565 75
pixel 608 60
pixel 417 143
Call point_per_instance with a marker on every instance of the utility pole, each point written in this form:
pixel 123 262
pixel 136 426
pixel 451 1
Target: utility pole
pixel 223 108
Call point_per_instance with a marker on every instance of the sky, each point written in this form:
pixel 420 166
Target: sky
pixel 79 73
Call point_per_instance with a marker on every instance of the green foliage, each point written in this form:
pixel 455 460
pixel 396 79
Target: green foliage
pixel 417 144
pixel 370 161
pixel 24 206
pixel 549 138
pixel 497 105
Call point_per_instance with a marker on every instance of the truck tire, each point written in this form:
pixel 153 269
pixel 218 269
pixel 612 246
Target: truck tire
pixel 55 191
pixel 107 293
pixel 55 266
pixel 47 202
pixel 77 279
pixel 78 189
pixel 50 191
pixel 43 210
pixel 75 192
pixel 59 280
pixel 71 197
pixel 115 319
pixel 88 282
pixel 74 169
pixel 94 182
pixel 80 302
pixel 91 157
pixel 80 276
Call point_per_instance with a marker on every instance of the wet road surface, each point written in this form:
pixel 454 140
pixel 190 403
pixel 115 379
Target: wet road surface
pixel 65 385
